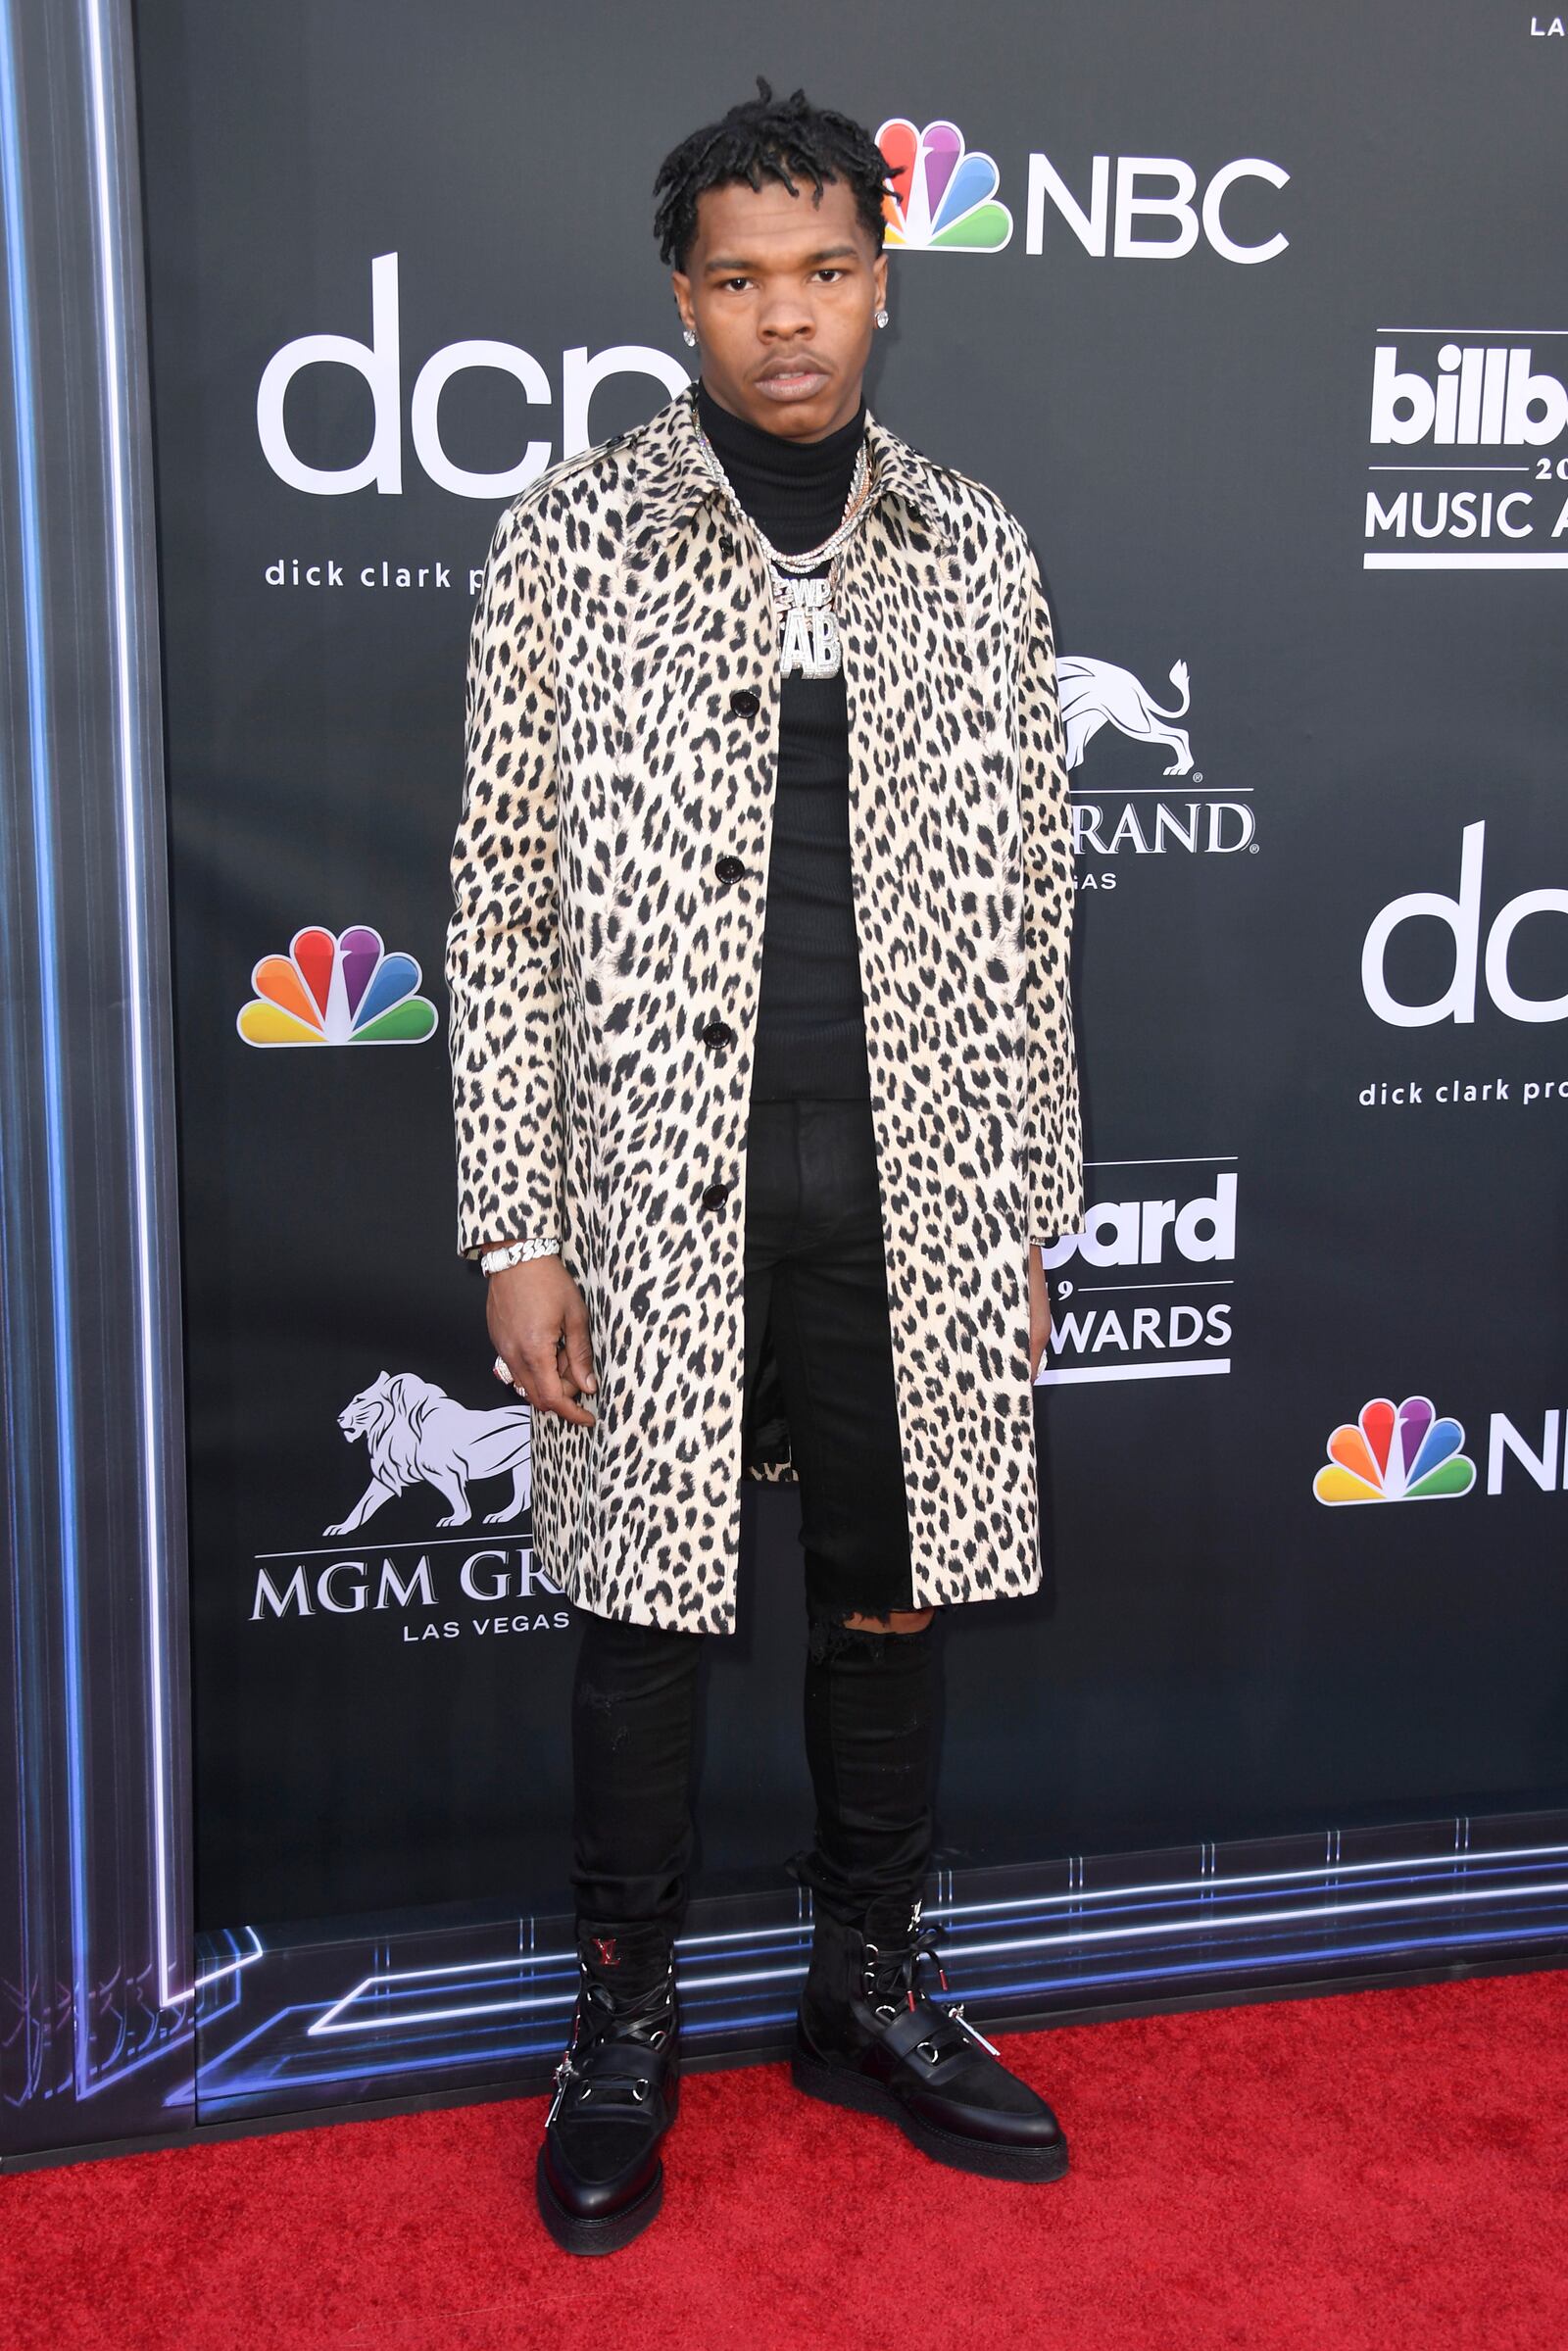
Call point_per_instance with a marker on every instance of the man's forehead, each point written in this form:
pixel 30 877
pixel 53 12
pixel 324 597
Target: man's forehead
pixel 739 217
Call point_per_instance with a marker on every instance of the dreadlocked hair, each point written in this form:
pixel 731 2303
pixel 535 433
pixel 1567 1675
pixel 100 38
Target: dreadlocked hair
pixel 767 136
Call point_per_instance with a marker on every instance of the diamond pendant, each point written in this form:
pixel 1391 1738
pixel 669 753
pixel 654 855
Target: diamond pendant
pixel 808 644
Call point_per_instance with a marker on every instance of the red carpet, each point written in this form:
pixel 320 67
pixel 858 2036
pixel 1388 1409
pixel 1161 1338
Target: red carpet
pixel 1371 2171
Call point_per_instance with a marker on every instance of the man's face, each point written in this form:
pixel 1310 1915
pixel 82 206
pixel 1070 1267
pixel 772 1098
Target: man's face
pixel 782 293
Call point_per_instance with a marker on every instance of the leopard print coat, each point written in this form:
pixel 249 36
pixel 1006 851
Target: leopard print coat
pixel 602 964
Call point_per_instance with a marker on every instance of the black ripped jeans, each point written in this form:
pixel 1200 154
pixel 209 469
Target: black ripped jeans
pixel 814 1273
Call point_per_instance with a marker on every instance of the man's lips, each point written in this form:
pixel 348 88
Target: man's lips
pixel 796 380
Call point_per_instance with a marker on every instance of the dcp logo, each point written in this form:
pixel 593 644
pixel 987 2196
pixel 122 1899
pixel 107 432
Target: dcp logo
pixel 1462 916
pixel 379 361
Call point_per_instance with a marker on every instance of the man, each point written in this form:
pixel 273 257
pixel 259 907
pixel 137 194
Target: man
pixel 766 1097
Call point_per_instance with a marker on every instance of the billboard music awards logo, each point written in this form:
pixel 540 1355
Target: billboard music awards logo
pixel 1405 1453
pixel 336 989
pixel 1147 1319
pixel 1469 435
pixel 420 1442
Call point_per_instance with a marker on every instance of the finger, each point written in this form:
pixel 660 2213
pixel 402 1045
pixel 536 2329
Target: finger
pixel 547 1391
pixel 578 1351
pixel 520 1374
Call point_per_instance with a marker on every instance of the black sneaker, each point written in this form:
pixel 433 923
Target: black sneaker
pixel 870 2038
pixel 599 2178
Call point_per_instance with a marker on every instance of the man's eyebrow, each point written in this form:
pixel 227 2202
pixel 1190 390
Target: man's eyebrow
pixel 824 253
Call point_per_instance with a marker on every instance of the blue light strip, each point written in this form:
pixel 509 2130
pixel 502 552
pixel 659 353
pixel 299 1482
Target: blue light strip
pixel 1397 1946
pixel 1131 1894
pixel 232 1967
pixel 1325 1914
pixel 58 1245
pixel 155 1540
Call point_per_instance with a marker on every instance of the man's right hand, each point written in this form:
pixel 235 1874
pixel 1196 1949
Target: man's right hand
pixel 539 1325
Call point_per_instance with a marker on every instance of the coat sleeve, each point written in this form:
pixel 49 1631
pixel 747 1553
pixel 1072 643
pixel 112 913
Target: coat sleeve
pixel 503 964
pixel 1053 1130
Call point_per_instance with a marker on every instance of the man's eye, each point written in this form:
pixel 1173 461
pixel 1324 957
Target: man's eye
pixel 829 272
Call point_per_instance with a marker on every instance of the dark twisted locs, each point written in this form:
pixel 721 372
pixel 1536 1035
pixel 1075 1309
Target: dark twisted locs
pixel 767 137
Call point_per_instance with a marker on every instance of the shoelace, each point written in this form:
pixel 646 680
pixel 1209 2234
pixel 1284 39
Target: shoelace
pixel 897 1972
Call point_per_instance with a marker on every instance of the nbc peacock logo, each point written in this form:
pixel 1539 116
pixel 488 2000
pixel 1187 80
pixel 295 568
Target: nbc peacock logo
pixel 337 988
pixel 1395 1453
pixel 943 198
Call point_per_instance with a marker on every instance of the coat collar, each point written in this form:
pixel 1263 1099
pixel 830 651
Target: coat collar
pixel 677 480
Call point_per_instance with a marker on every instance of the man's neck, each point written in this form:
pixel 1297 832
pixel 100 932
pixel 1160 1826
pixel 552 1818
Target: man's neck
pixel 796 490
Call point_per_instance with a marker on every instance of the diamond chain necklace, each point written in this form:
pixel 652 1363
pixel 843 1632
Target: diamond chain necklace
pixel 808 635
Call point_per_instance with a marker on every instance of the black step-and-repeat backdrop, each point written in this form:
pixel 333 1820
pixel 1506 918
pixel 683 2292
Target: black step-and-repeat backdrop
pixel 1257 319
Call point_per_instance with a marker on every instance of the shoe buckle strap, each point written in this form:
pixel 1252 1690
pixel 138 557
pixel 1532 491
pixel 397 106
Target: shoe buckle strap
pixel 613 2088
pixel 900 2035
pixel 916 2029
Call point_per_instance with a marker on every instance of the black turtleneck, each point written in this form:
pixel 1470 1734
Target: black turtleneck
pixel 810 1023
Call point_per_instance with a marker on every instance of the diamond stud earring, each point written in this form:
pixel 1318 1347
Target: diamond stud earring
pixel 881 318
pixel 688 335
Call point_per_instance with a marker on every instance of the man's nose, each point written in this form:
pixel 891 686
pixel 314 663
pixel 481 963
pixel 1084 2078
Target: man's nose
pixel 786 314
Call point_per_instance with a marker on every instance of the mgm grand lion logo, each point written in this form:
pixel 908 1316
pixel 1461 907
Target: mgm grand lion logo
pixel 416 1435
pixel 1092 692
